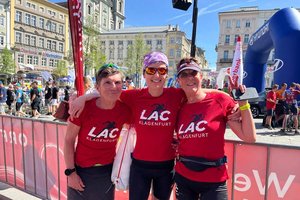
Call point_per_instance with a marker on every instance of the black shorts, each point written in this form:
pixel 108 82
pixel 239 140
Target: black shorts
pixel 293 108
pixel 18 106
pixel 97 181
pixel 145 174
pixel 192 190
pixel 9 104
pixel 35 105
pixel 270 112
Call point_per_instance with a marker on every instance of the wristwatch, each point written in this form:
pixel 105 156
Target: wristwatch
pixel 68 172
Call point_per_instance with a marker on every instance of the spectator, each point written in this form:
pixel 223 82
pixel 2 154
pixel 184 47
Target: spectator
pixel 35 94
pixel 48 95
pixel 19 100
pixel 10 98
pixel 54 97
pixel 271 105
pixel 2 98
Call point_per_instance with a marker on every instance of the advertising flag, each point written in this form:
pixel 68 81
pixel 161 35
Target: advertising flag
pixel 237 70
pixel 75 17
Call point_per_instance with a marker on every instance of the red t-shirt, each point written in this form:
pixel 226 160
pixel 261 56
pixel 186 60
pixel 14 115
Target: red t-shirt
pixel 271 105
pixel 154 121
pixel 200 130
pixel 99 133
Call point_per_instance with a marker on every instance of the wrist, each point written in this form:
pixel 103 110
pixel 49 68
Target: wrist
pixel 245 107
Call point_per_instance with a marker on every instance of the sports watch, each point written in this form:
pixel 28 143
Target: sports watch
pixel 68 172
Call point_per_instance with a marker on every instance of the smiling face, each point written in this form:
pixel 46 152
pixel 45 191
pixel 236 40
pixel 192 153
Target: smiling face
pixel 110 87
pixel 190 81
pixel 158 79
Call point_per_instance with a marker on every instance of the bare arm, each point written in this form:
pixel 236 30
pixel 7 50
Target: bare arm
pixel 74 180
pixel 244 129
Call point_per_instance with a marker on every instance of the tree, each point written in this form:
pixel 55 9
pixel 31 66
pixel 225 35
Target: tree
pixel 7 64
pixel 61 69
pixel 93 56
pixel 135 57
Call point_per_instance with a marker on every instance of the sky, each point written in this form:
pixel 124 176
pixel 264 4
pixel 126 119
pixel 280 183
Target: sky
pixel 161 12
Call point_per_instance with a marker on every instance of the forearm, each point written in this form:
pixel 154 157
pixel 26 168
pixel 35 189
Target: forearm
pixel 69 153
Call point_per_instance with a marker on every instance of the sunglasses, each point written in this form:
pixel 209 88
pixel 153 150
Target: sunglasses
pixel 152 71
pixel 185 74
pixel 109 65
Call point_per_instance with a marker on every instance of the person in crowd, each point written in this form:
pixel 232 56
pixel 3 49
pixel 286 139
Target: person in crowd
pixel 281 106
pixel 35 94
pixel 154 110
pixel 48 95
pixel 88 85
pixel 128 83
pixel 98 127
pixel 10 98
pixel 2 98
pixel 19 100
pixel 200 171
pixel 292 106
pixel 54 96
pixel 67 93
pixel 271 105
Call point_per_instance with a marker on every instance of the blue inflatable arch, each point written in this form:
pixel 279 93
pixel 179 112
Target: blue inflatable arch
pixel 281 32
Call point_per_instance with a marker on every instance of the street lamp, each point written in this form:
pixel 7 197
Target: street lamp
pixel 184 5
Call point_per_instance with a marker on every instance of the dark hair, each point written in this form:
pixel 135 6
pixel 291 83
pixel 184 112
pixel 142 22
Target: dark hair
pixel 293 84
pixel 106 72
pixel 275 86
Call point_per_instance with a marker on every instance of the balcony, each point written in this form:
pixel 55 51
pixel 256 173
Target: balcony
pixel 226 60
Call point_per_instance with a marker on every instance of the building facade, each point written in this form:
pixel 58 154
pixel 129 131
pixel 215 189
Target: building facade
pixel 4 24
pixel 241 22
pixel 167 39
pixel 39 34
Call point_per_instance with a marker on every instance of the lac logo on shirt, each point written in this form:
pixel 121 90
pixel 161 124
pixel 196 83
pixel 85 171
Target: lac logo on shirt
pixel 157 115
pixel 196 128
pixel 107 134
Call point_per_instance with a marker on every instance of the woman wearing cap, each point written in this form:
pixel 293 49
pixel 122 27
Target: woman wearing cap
pixel 200 169
pixel 155 111
pixel 97 130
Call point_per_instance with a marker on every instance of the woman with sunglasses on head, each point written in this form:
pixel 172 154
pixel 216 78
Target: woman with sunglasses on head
pixel 97 129
pixel 200 170
pixel 155 111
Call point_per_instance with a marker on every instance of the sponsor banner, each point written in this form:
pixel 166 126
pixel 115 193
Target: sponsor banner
pixel 236 71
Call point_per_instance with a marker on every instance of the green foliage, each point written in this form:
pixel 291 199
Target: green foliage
pixel 61 69
pixel 7 64
pixel 135 57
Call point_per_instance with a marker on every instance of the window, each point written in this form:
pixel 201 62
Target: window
pixel 35 60
pixel 29 59
pixel 225 56
pixel 120 6
pixel 48 25
pixel 27 19
pixel 33 6
pixel 27 39
pixel 44 61
pixel 120 42
pixel 42 23
pixel 33 20
pixel 53 45
pixel 2 19
pixel 61 47
pixel 246 38
pixel 51 62
pixel 33 41
pixel 48 44
pixel 61 29
pixel 61 16
pixel 120 25
pixel 89 9
pixel 55 63
pixel 28 5
pixel 172 40
pixel 111 26
pixel 235 38
pixel 238 23
pixel 172 53
pixel 120 53
pixel 42 42
pixel 149 42
pixel 102 43
pixel 53 27
pixel 18 37
pixel 159 42
pixel 19 1
pixel 178 53
pixel 18 16
pixel 111 54
pixel 111 42
pixel 227 39
pixel 247 23
pixel 129 42
pixel 1 40
pixel 228 24
pixel 42 9
pixel 20 58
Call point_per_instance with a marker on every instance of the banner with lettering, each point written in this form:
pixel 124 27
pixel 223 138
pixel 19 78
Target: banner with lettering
pixel 75 18
pixel 237 68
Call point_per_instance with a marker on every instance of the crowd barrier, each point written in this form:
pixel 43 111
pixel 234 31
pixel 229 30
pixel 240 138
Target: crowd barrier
pixel 31 159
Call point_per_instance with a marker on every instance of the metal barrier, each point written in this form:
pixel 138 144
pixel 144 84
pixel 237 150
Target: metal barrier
pixel 31 159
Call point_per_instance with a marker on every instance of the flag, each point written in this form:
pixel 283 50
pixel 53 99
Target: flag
pixel 75 18
pixel 237 70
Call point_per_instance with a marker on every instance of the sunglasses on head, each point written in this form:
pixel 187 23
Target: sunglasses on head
pixel 109 65
pixel 152 71
pixel 184 74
